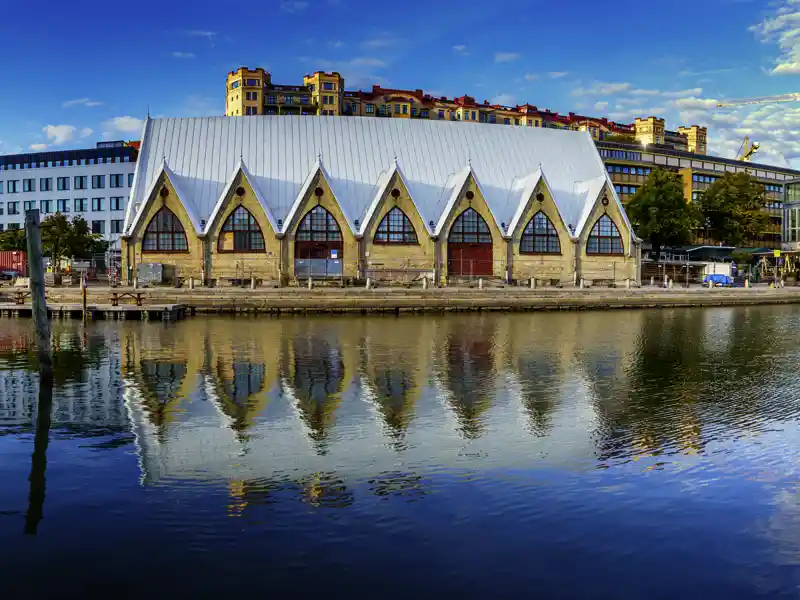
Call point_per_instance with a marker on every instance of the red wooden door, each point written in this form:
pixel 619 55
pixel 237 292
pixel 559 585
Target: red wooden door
pixel 464 260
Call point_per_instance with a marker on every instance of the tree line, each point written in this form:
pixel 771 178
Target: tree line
pixel 730 211
pixel 61 238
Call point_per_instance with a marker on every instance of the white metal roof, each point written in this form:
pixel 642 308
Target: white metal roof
pixel 280 155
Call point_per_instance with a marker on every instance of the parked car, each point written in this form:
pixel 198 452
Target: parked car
pixel 9 275
pixel 719 280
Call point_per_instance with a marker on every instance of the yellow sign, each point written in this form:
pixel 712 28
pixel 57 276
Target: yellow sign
pixel 776 253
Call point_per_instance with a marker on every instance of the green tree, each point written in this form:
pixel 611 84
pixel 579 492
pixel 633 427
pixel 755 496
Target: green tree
pixel 733 209
pixel 13 239
pixel 659 212
pixel 62 238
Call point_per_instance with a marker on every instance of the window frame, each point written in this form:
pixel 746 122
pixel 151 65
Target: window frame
pixel 311 230
pixel 531 234
pixel 407 229
pixel 157 233
pixel 599 236
pixel 461 220
pixel 252 228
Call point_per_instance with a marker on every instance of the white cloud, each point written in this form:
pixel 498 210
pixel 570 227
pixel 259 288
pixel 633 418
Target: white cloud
pixel 629 114
pixel 382 40
pixel 461 49
pixel 683 93
pixel 557 74
pixel 366 62
pixel 531 77
pixel 183 55
pixel 696 103
pixel 504 99
pixel 601 106
pixel 125 124
pixel 643 92
pixel 336 44
pixel 81 102
pixel 86 132
pixel 59 134
pixel 782 27
pixel 293 6
pixel 209 35
pixel 600 88
pixel 38 147
pixel 502 57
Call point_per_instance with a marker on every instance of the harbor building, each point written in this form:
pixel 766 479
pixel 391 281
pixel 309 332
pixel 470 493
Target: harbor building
pixel 284 198
pixel 630 150
pixel 93 183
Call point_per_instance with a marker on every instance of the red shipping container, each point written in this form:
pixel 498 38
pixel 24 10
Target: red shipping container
pixel 14 260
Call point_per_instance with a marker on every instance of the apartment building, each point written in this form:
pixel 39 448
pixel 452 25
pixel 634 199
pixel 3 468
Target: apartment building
pixel 630 150
pixel 93 183
pixel 252 92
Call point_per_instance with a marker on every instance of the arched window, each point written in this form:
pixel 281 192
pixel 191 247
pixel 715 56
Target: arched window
pixel 395 228
pixel 539 236
pixel 604 238
pixel 165 233
pixel 470 228
pixel 241 233
pixel 319 226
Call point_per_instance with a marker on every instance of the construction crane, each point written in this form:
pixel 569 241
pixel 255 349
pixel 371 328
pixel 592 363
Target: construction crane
pixel 762 100
pixel 746 150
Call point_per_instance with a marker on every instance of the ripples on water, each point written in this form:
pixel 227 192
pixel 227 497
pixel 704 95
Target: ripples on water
pixel 622 454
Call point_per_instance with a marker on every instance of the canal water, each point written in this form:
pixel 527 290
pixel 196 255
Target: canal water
pixel 641 454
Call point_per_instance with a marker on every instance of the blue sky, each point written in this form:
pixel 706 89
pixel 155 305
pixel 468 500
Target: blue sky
pixel 91 74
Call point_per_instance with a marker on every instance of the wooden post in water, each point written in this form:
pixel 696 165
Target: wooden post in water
pixel 33 234
pixel 84 292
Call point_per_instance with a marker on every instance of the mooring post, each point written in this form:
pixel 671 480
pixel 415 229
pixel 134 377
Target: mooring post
pixel 747 282
pixel 652 281
pixel 83 294
pixel 710 284
pixel 425 283
pixel 33 234
pixel 310 283
pixel 252 283
pixel 369 283
pixel 533 283
pixel 191 283
pixel 480 283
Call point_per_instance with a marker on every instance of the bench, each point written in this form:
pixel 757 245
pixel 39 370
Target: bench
pixel 137 297
pixel 20 296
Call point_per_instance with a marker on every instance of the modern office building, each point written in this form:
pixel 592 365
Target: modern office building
pixel 93 183
pixel 285 198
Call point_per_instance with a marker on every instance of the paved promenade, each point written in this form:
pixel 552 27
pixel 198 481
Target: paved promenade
pixel 360 300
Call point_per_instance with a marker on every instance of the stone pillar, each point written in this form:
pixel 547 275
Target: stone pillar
pixel 670 283
pixel 581 285
pixel 747 282
pixel 425 283
pixel 710 284
pixel 480 283
pixel 310 283
pixel 627 284
pixel 191 283
pixel 252 283
pixel 369 283
pixel 652 281
pixel 533 283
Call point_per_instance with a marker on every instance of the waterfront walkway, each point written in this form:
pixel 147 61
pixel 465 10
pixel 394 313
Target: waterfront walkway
pixel 390 300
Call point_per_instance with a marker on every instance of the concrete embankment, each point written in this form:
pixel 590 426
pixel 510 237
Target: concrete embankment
pixel 360 300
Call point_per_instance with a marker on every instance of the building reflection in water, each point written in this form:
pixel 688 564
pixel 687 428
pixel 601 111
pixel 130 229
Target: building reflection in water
pixel 215 399
pixel 313 376
pixel 468 373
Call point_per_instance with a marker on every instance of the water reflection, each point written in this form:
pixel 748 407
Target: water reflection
pixel 535 434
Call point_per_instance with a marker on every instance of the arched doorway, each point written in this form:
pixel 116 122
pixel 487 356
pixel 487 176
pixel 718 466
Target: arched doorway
pixel 469 246
pixel 318 246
